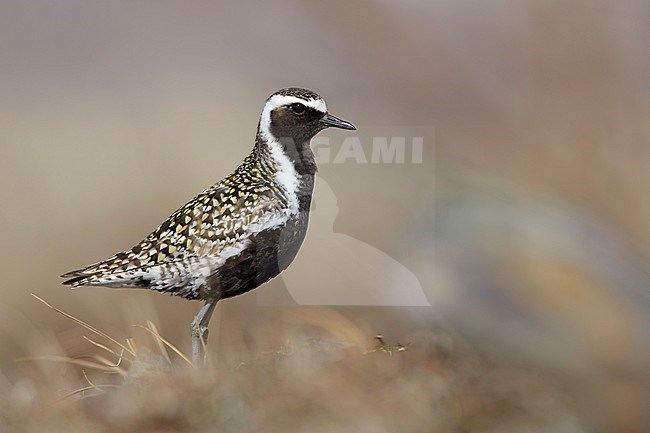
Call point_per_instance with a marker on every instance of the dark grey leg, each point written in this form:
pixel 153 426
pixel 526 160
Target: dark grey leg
pixel 199 330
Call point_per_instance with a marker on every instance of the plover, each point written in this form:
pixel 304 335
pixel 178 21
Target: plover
pixel 240 232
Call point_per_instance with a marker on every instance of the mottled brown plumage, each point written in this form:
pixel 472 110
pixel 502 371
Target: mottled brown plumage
pixel 195 235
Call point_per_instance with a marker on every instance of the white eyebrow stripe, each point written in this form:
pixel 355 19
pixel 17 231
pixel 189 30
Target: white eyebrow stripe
pixel 276 101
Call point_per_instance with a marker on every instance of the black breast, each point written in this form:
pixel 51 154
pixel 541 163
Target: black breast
pixel 268 253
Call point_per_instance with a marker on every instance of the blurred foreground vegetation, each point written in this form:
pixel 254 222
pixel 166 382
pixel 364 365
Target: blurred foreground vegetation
pixel 312 382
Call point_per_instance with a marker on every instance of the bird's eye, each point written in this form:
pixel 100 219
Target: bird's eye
pixel 298 109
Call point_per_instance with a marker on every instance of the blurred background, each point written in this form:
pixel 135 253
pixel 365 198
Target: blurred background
pixel 525 225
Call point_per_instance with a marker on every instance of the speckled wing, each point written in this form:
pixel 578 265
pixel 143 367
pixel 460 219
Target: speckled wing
pixel 194 241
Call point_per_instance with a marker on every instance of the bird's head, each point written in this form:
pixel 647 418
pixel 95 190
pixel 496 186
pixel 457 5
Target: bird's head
pixel 297 114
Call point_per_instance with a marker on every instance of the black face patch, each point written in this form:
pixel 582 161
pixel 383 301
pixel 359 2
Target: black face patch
pixel 299 126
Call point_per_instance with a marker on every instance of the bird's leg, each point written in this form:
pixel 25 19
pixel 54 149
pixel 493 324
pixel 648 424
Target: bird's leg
pixel 199 330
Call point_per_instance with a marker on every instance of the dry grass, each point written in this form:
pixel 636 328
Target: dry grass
pixel 308 384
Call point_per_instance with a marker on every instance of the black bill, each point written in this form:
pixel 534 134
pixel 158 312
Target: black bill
pixel 332 121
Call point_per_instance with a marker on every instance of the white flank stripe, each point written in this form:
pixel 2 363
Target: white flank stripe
pixel 285 175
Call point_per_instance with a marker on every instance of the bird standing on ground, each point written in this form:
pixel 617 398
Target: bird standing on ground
pixel 240 232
